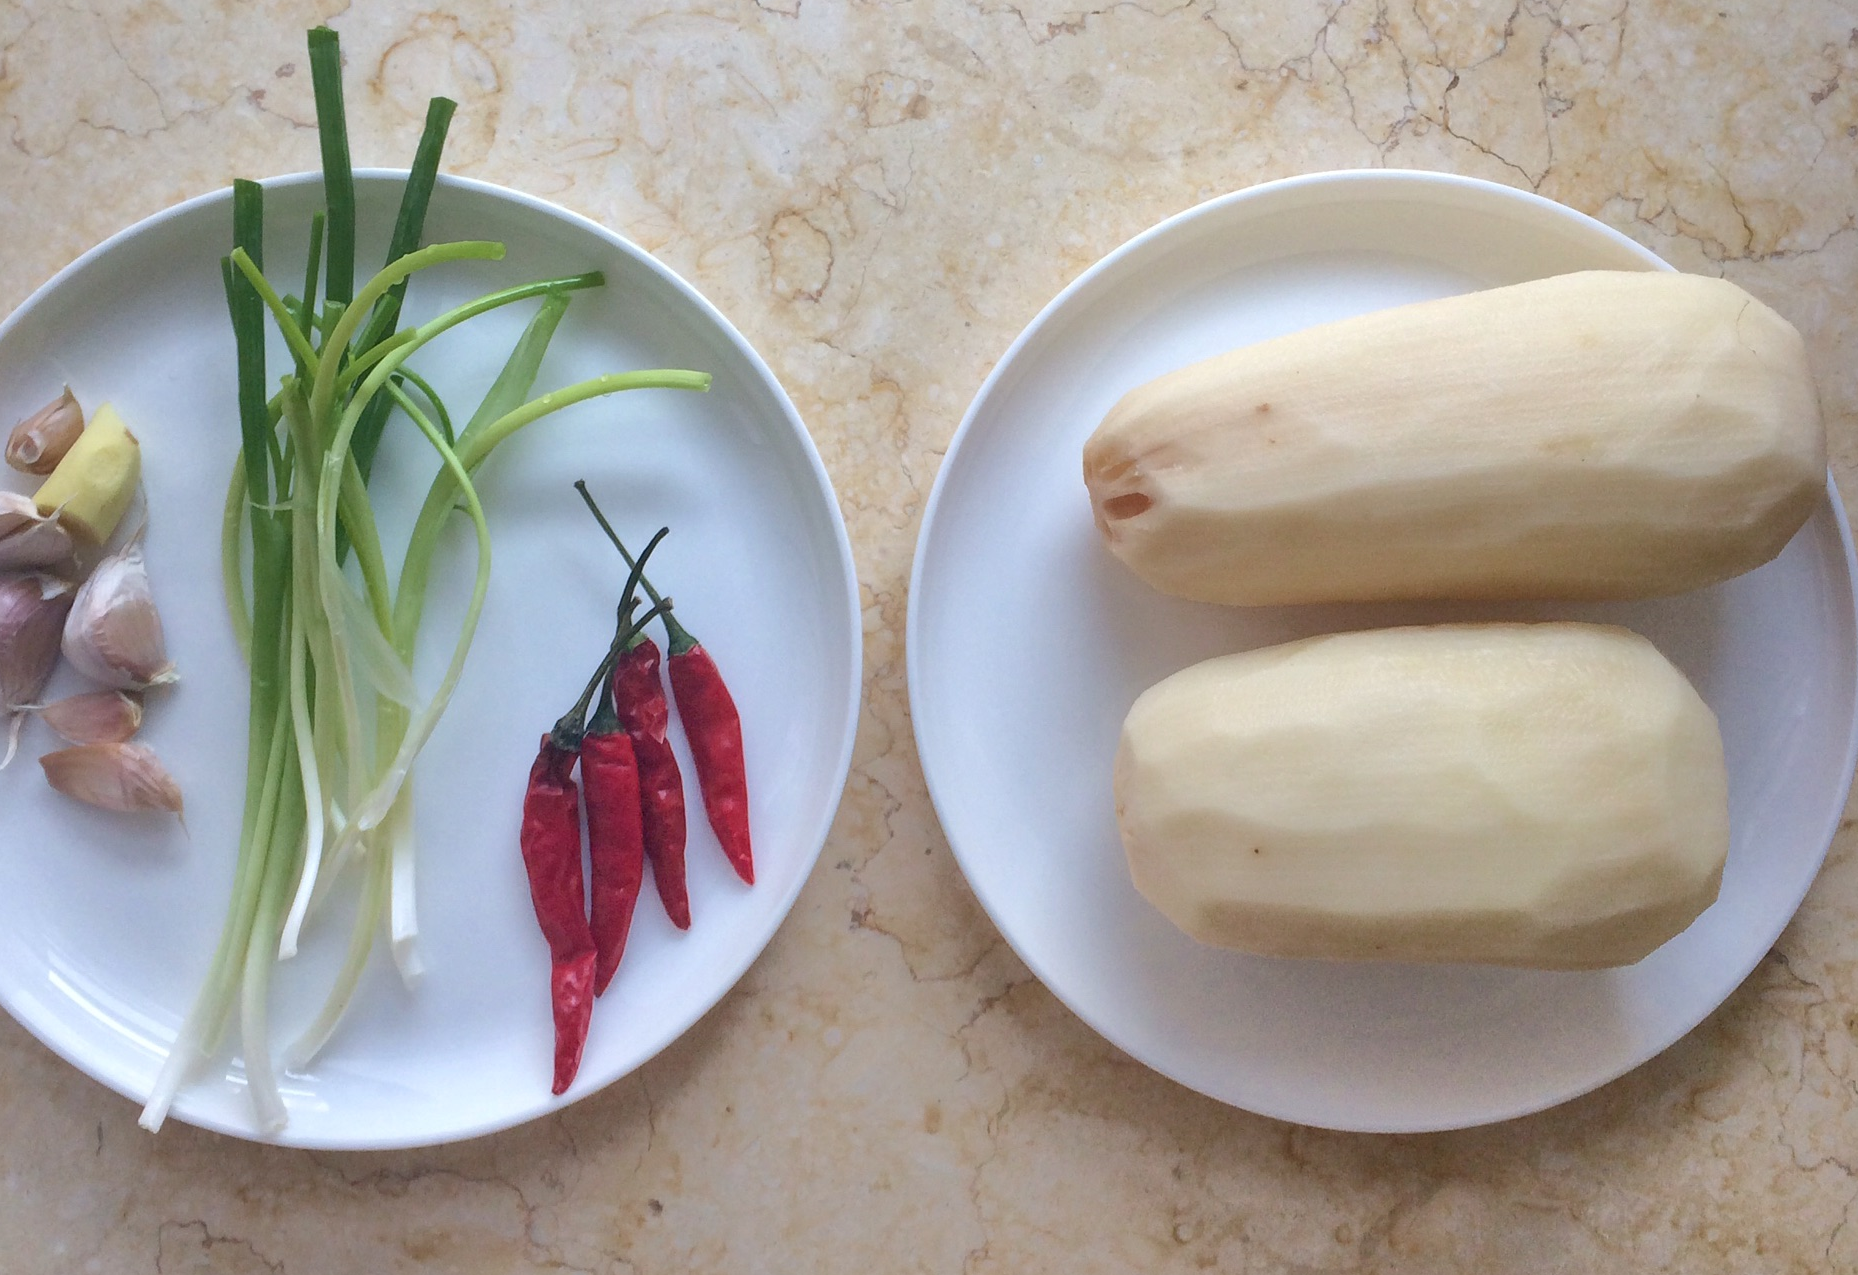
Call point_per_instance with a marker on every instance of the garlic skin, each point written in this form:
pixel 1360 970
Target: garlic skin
pixel 113 634
pixel 95 717
pixel 121 777
pixel 28 538
pixel 39 442
pixel 32 615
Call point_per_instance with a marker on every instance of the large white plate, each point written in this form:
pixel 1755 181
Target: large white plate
pixel 107 922
pixel 1028 642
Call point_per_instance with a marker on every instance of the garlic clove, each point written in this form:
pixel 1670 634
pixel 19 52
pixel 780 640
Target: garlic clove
pixel 17 511
pixel 95 717
pixel 39 442
pixel 122 777
pixel 45 544
pixel 113 634
pixel 29 538
pixel 32 615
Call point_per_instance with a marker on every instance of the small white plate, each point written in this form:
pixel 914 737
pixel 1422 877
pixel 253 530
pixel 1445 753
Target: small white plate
pixel 1028 642
pixel 108 922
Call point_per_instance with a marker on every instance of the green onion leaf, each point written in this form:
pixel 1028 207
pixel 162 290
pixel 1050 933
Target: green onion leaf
pixel 248 228
pixel 408 227
pixel 443 418
pixel 338 177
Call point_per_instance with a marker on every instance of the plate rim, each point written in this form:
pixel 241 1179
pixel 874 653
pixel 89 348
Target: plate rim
pixel 837 773
pixel 1368 178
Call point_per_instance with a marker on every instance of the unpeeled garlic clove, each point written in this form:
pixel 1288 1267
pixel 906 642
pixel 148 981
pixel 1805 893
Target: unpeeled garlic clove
pixel 39 442
pixel 95 717
pixel 32 615
pixel 113 635
pixel 121 777
pixel 17 512
pixel 28 538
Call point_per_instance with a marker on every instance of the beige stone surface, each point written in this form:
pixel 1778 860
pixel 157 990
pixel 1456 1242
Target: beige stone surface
pixel 880 196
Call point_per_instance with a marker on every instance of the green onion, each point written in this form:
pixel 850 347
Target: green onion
pixel 336 720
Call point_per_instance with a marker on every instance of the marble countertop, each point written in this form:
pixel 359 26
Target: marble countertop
pixel 880 196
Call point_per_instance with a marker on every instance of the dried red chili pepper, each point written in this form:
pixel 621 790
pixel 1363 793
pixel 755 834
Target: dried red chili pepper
pixel 639 702
pixel 615 835
pixel 714 730
pixel 551 846
pixel 551 849
pixel 712 725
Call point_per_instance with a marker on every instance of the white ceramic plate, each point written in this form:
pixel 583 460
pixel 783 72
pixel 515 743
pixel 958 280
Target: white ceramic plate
pixel 1028 642
pixel 107 922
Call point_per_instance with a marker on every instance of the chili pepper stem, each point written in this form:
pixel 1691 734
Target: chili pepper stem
pixel 605 719
pixel 572 726
pixel 678 638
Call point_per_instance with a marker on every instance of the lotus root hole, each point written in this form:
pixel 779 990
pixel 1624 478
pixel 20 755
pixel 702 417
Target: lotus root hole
pixel 1127 505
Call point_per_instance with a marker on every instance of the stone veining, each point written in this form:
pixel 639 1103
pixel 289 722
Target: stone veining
pixel 881 196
